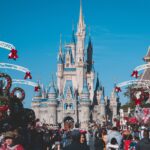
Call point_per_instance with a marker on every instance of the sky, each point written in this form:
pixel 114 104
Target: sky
pixel 120 32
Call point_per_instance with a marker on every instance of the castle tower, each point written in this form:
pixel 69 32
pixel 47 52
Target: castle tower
pixel 73 44
pixel 90 69
pixel 43 92
pixel 97 92
pixel 60 69
pixel 52 104
pixel 113 104
pixel 102 105
pixel 36 101
pixel 146 74
pixel 85 103
pixel 89 56
pixel 80 50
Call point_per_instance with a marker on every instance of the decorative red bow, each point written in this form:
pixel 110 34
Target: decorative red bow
pixel 28 75
pixel 135 74
pixel 13 54
pixel 36 88
pixel 117 89
pixel 137 101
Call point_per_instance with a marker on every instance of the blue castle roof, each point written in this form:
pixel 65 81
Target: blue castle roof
pixel 52 89
pixel 60 60
pixel 85 87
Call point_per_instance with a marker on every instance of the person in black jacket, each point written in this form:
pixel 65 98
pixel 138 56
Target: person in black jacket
pixel 144 144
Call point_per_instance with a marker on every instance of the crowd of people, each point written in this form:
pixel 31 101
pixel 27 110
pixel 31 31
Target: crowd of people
pixel 37 136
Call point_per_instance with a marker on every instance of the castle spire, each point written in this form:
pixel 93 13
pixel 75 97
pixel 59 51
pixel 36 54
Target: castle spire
pixel 60 46
pixel 147 57
pixel 81 20
pixel 73 35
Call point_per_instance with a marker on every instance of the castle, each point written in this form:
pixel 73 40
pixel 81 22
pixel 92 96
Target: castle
pixel 78 95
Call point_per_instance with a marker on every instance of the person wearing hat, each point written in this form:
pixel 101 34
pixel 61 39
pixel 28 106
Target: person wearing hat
pixel 9 143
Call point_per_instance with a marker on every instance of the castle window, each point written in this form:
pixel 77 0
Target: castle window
pixel 65 106
pixel 71 106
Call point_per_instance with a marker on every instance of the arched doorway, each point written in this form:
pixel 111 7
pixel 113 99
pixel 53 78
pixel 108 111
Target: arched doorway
pixel 68 123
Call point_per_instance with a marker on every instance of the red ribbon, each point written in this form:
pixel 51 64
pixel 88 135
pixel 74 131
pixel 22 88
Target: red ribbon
pixel 137 101
pixel 28 75
pixel 135 74
pixel 117 89
pixel 13 54
pixel 36 88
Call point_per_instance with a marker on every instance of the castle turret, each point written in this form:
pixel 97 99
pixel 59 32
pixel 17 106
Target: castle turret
pixel 52 104
pixel 73 45
pixel 89 56
pixel 97 92
pixel 92 74
pixel 147 57
pixel 60 68
pixel 146 73
pixel 43 92
pixel 102 103
pixel 80 50
pixel 113 104
pixel 36 101
pixel 85 109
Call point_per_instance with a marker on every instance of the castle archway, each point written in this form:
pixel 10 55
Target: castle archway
pixel 68 123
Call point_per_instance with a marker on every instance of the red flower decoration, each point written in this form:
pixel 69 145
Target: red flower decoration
pixel 135 74
pixel 28 75
pixel 13 54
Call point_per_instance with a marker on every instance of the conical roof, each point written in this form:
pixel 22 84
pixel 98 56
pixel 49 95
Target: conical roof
pixel 81 20
pixel 147 57
pixel 85 87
